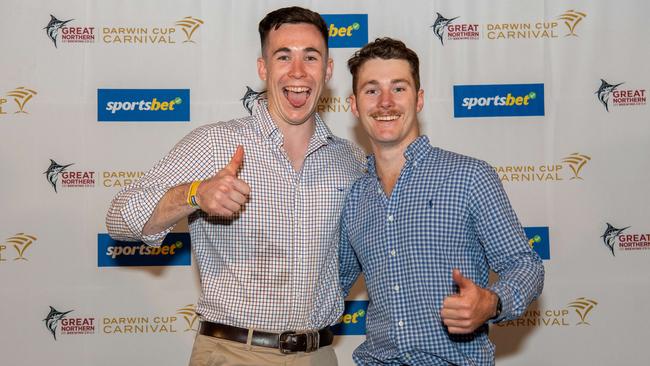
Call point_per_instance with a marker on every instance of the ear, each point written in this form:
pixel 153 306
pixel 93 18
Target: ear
pixel 353 104
pixel 329 68
pixel 261 68
pixel 420 103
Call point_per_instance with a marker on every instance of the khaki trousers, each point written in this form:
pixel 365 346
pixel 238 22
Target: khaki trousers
pixel 211 351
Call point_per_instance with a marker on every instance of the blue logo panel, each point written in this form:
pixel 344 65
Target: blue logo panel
pixel 504 100
pixel 143 105
pixel 347 30
pixel 353 321
pixel 174 251
pixel 539 239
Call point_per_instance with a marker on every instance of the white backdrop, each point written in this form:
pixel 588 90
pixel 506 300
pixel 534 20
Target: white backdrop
pixel 571 171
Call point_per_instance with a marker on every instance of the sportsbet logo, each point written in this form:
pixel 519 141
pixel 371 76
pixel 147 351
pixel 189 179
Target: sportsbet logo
pixel 175 250
pixel 153 105
pixel 133 105
pixel 347 30
pixel 353 320
pixel 509 100
pixel 505 100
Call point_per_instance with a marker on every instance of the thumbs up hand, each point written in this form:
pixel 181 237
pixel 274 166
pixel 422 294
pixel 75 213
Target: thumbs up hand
pixel 224 194
pixel 470 308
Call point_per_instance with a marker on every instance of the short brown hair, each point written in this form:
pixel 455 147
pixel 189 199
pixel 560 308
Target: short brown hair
pixel 291 15
pixel 385 49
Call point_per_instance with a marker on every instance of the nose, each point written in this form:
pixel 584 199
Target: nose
pixel 386 99
pixel 297 69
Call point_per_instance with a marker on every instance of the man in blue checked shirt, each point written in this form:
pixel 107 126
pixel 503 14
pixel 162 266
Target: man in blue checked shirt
pixel 426 226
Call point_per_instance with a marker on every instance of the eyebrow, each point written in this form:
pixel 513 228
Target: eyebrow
pixel 392 82
pixel 306 50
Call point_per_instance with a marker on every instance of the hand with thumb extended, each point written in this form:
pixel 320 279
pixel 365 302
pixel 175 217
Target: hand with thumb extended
pixel 224 194
pixel 470 308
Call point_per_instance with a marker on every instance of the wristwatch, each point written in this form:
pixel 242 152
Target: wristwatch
pixel 499 307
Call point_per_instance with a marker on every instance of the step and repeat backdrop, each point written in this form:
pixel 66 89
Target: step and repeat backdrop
pixel 553 94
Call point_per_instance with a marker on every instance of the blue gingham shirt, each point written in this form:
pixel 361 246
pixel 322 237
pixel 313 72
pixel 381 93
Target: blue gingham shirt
pixel 446 211
pixel 274 266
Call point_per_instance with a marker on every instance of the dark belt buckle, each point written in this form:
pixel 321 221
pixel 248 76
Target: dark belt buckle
pixel 290 338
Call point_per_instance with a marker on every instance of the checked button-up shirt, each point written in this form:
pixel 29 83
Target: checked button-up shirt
pixel 274 266
pixel 446 211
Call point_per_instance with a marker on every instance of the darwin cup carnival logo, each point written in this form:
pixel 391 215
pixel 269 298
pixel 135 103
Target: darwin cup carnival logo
pixel 619 98
pixel 555 317
pixel 189 315
pixel 21 96
pixel 571 19
pixel 582 306
pixel 250 98
pixel 20 242
pixel 189 25
pixel 545 172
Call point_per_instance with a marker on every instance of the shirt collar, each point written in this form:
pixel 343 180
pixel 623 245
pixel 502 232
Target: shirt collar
pixel 269 130
pixel 414 152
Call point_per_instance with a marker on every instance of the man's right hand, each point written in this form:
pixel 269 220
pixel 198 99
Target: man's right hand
pixel 224 194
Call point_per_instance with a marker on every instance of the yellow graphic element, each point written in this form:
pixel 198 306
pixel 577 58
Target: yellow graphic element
pixel 21 96
pixel 2 101
pixel 189 25
pixel 533 240
pixel 583 307
pixel 576 163
pixel 21 242
pixel 189 314
pixel 571 19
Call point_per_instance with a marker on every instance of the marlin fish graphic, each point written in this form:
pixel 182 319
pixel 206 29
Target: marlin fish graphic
pixel 52 320
pixel 439 26
pixel 605 91
pixel 609 237
pixel 249 98
pixel 52 28
pixel 52 173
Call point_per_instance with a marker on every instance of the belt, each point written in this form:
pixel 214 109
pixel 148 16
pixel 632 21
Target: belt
pixel 286 342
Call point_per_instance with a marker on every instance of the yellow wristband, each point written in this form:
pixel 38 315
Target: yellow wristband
pixel 191 194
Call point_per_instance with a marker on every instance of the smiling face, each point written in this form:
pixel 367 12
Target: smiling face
pixel 387 102
pixel 295 66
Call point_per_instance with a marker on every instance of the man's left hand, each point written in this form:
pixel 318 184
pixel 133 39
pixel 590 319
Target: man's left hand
pixel 470 308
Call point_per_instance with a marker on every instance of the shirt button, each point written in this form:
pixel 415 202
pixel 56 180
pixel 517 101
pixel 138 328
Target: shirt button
pixel 390 218
pixel 396 288
pixel 400 323
pixel 393 252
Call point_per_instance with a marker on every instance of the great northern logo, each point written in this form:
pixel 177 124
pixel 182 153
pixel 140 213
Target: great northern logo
pixel 168 34
pixel 619 98
pixel 617 239
pixel 69 179
pixel 21 96
pixel 250 98
pixel 143 105
pixel 498 100
pixel 443 28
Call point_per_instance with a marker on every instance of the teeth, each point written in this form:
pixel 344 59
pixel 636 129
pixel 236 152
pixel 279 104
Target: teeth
pixel 297 89
pixel 386 118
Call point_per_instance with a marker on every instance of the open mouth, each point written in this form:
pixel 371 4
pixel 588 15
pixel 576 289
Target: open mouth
pixel 386 117
pixel 297 95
